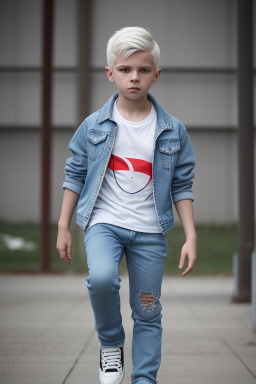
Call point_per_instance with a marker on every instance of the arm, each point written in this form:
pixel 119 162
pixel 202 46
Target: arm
pixel 182 181
pixel 76 166
pixel 184 209
pixel 76 171
pixel 64 240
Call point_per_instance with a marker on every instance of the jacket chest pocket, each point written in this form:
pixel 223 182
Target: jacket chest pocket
pixel 96 142
pixel 169 152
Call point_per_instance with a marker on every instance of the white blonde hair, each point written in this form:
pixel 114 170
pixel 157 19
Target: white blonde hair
pixel 129 40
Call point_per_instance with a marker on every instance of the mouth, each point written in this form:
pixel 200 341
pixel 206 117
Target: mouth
pixel 134 89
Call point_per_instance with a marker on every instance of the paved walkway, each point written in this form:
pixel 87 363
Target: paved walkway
pixel 47 336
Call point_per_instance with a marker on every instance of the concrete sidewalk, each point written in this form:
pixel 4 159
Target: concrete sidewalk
pixel 47 336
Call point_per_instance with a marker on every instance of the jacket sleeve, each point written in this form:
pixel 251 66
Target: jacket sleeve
pixel 76 166
pixel 183 176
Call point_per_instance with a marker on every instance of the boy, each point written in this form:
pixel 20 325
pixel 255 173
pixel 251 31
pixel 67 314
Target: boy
pixel 131 159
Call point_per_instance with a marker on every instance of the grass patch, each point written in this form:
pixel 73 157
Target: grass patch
pixel 13 260
pixel 216 246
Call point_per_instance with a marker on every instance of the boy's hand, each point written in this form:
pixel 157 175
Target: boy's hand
pixel 188 251
pixel 64 245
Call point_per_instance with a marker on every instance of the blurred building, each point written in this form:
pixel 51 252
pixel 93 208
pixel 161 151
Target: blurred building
pixel 198 85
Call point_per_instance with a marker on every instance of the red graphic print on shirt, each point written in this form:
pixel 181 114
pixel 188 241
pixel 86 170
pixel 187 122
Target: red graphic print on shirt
pixel 132 175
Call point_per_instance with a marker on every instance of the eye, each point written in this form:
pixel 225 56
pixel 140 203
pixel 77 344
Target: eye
pixel 124 70
pixel 144 70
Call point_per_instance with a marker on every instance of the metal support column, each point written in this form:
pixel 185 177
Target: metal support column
pixel 46 134
pixel 84 83
pixel 84 58
pixel 245 151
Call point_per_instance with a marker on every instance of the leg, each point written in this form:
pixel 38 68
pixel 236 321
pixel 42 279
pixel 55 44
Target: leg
pixel 145 260
pixel 104 252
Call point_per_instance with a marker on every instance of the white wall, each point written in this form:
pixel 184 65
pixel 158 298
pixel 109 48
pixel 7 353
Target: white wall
pixel 20 104
pixel 215 185
pixel 191 33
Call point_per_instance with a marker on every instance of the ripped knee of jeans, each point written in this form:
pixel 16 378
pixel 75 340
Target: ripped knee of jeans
pixel 147 300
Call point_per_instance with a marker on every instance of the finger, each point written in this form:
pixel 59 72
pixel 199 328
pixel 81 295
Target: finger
pixel 187 270
pixel 66 259
pixel 189 267
pixel 63 255
pixel 182 259
pixel 69 252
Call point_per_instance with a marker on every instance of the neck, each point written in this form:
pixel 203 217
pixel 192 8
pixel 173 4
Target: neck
pixel 133 110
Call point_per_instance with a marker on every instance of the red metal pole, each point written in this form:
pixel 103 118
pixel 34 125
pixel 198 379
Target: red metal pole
pixel 46 134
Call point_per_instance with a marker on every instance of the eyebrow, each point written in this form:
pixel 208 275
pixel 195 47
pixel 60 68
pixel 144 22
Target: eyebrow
pixel 128 66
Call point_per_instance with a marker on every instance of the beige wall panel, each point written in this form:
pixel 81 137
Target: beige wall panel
pixel 20 32
pixel 20 170
pixel 20 99
pixel 20 176
pixel 101 90
pixel 215 184
pixel 65 99
pixel 177 26
pixel 66 33
pixel 200 100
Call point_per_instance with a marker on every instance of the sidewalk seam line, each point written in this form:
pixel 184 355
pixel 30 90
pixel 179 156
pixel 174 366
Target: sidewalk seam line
pixel 79 356
pixel 239 358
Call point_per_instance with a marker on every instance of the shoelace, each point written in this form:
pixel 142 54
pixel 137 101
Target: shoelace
pixel 111 359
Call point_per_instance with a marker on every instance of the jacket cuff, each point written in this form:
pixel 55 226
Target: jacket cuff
pixel 182 196
pixel 75 188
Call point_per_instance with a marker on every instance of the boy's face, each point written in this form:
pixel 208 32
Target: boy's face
pixel 135 75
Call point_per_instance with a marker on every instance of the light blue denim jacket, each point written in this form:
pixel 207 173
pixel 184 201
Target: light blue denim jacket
pixel 92 145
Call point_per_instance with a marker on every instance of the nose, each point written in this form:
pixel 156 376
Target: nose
pixel 135 76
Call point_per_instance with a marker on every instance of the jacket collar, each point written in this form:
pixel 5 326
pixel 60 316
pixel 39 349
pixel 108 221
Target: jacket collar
pixel 164 120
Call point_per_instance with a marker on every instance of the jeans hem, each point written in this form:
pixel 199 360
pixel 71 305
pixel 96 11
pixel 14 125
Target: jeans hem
pixel 119 345
pixel 143 381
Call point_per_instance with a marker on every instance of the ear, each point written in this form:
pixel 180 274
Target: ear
pixel 109 74
pixel 157 75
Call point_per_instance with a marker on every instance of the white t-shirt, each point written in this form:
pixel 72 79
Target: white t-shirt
pixel 126 195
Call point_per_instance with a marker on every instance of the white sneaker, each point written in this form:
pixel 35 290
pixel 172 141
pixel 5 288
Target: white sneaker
pixel 111 365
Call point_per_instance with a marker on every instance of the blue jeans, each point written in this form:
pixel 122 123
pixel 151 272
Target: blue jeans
pixel 145 256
